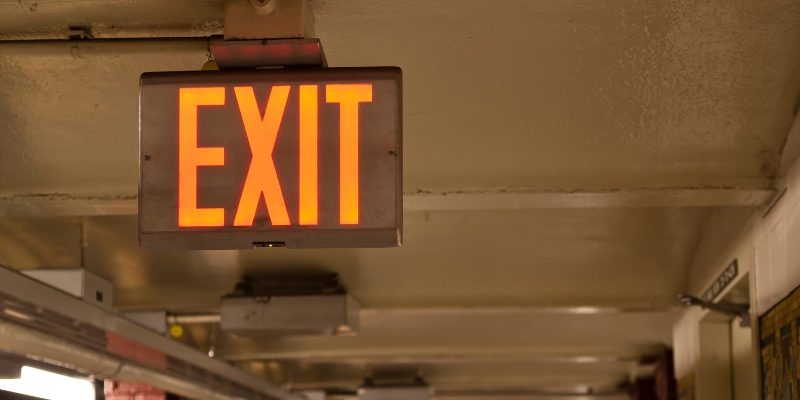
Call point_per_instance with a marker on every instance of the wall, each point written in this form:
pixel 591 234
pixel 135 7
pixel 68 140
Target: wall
pixel 744 374
pixel 714 367
pixel 686 328
pixel 766 243
pixel 778 245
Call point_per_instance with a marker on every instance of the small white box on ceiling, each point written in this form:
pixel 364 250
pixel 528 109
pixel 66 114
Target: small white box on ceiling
pixel 79 283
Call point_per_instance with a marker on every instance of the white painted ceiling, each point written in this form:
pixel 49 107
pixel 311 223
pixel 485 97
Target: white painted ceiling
pixel 594 97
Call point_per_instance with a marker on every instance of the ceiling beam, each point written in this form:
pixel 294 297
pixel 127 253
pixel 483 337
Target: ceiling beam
pixel 63 205
pixel 473 334
pixel 103 47
pixel 699 197
pixel 42 205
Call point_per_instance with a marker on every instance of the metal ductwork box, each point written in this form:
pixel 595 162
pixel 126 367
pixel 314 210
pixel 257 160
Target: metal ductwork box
pixel 290 306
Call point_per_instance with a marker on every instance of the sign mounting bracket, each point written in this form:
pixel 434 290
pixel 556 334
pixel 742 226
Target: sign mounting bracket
pixel 267 34
pixel 265 53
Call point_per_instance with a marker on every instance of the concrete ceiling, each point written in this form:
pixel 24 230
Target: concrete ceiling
pixel 686 101
pixel 521 95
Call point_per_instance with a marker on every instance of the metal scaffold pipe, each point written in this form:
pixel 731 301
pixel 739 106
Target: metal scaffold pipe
pixel 94 47
pixel 189 319
pixel 20 339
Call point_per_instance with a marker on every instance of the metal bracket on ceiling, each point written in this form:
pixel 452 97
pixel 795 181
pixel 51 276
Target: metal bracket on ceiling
pixel 267 33
pixel 315 284
pixel 740 311
pixel 240 54
pixel 77 33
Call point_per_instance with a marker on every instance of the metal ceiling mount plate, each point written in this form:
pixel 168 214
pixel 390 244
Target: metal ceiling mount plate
pixel 242 54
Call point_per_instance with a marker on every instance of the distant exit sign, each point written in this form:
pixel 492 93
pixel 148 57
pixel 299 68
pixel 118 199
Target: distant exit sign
pixel 305 158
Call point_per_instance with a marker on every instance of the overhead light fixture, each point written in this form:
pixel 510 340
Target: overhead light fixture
pixel 50 386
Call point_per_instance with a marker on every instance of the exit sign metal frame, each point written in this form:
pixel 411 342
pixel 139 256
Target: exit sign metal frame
pixel 380 155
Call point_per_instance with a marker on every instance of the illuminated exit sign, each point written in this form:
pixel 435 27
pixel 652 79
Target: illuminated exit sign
pixel 305 158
